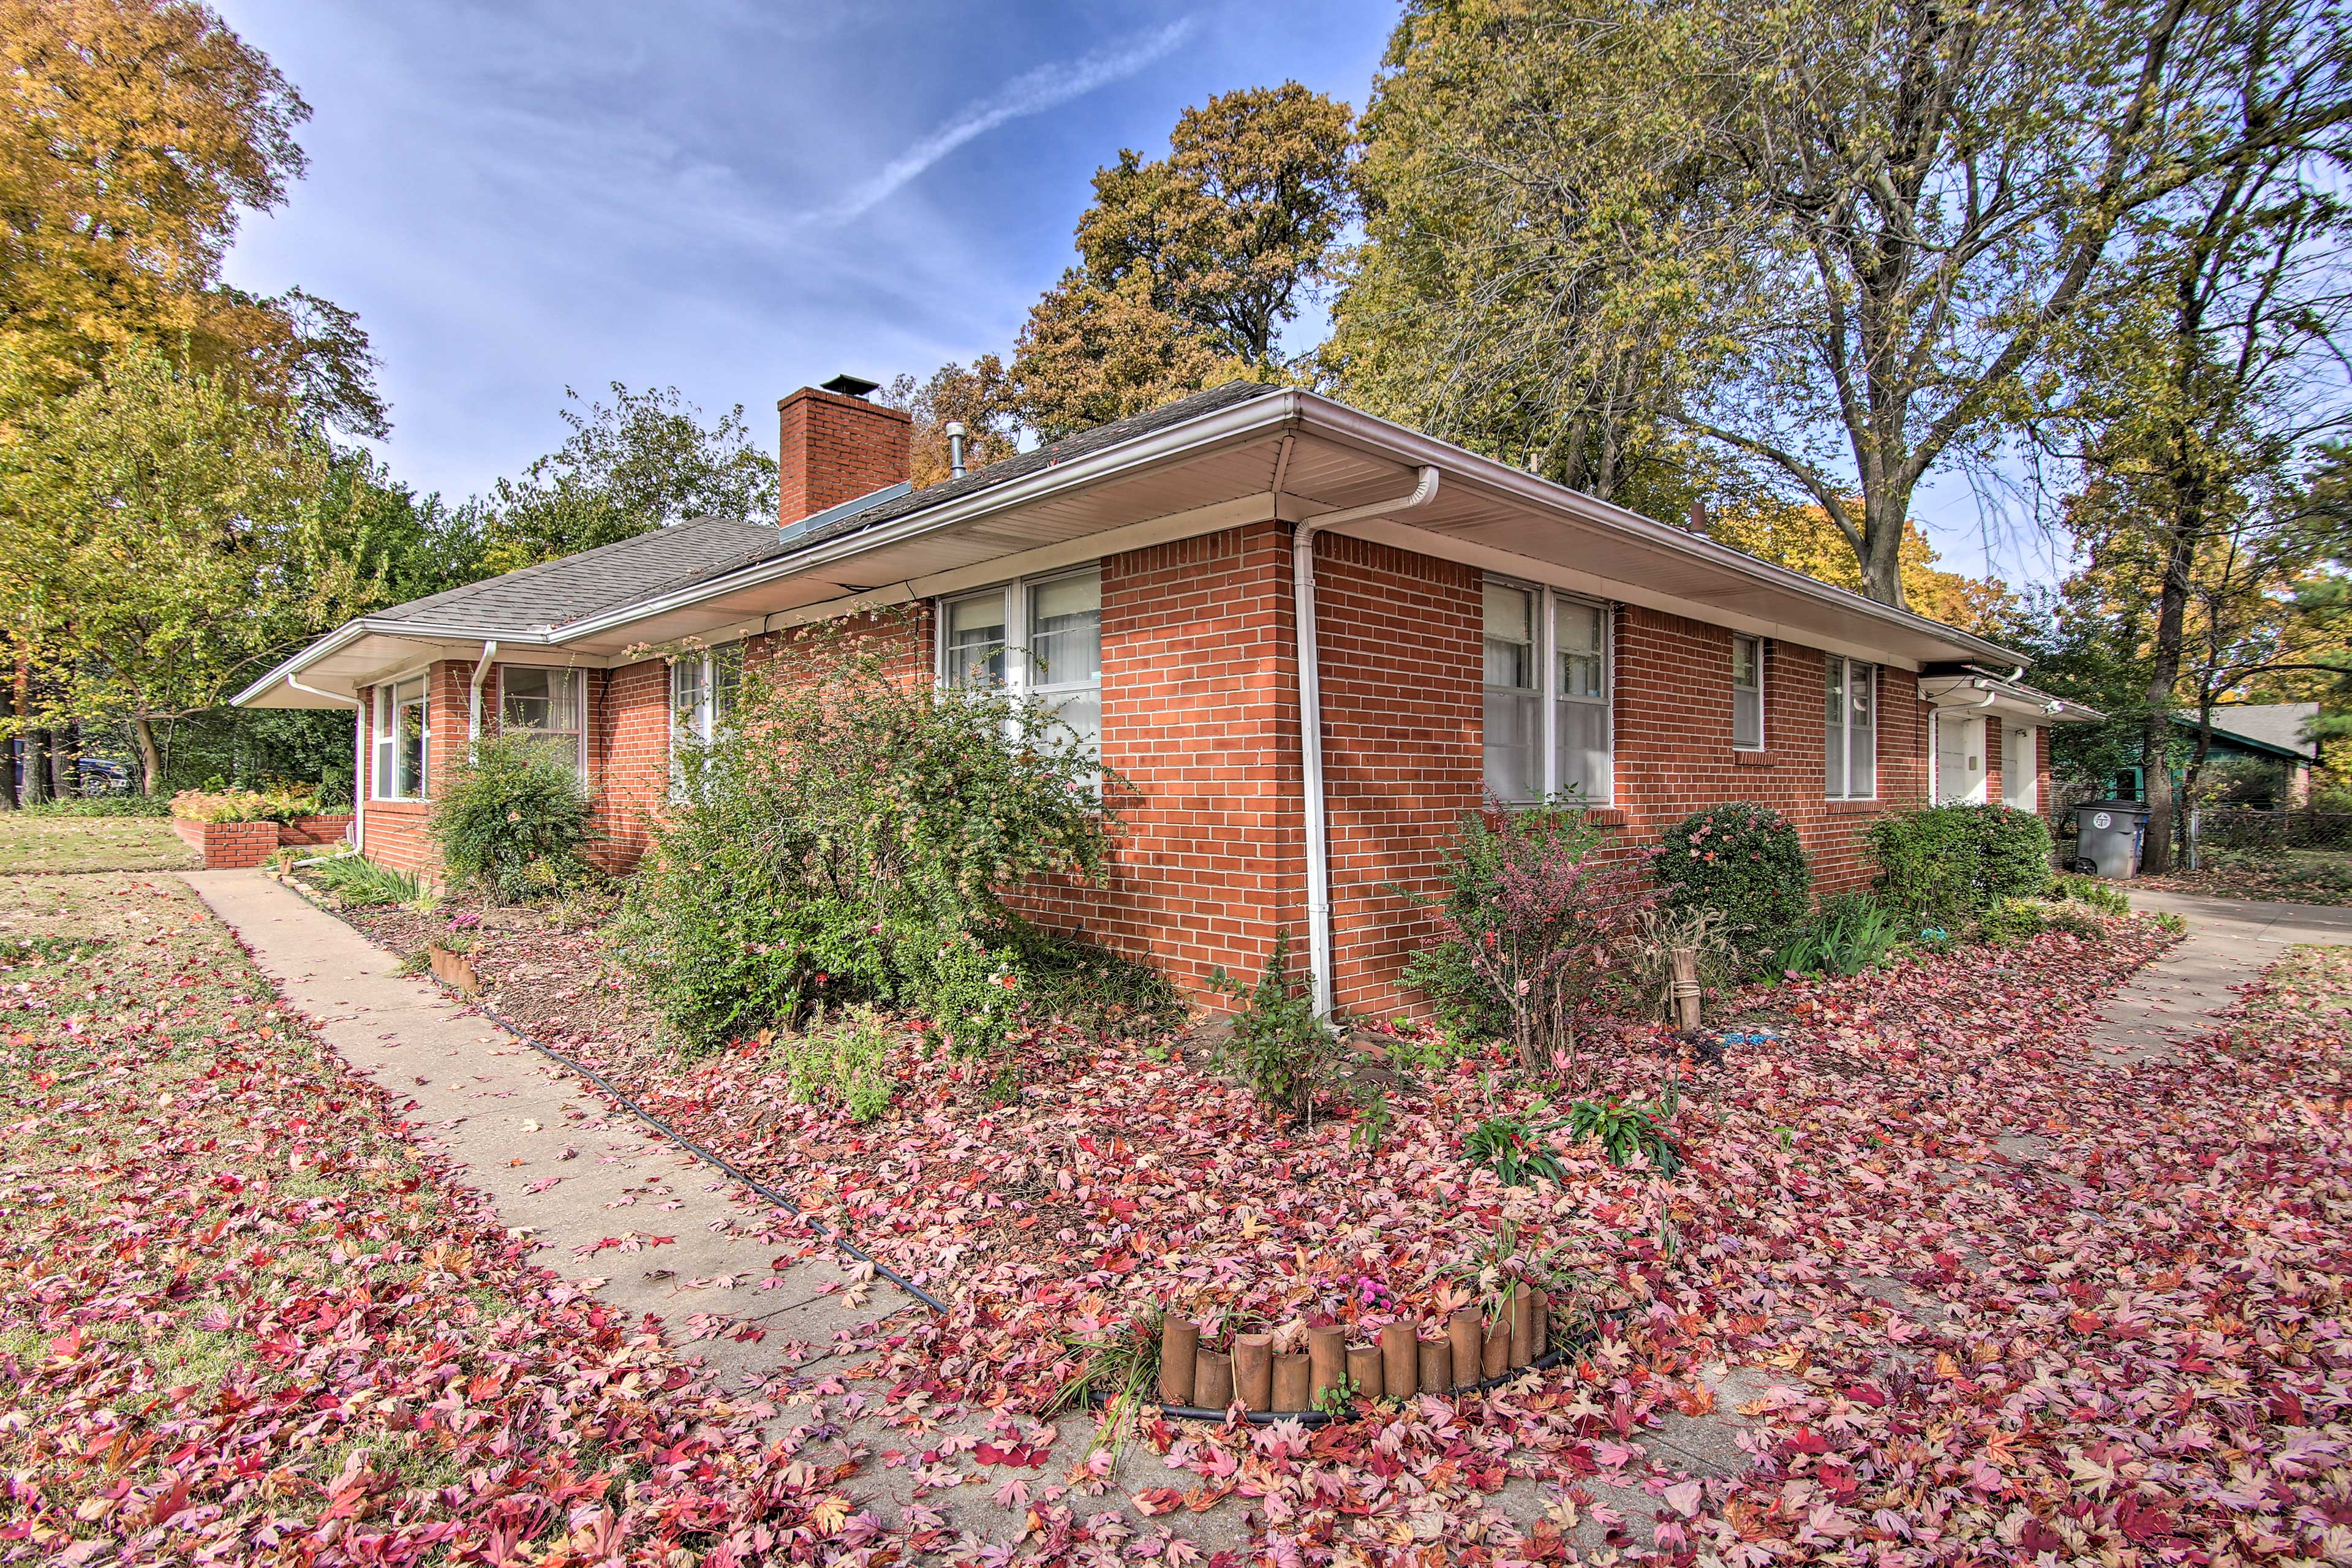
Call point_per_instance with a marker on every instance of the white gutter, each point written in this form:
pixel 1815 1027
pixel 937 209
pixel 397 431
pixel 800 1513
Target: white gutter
pixel 474 693
pixel 1310 717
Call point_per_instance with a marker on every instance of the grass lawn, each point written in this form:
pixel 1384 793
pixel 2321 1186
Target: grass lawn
pixel 242 1320
pixel 32 843
pixel 2287 876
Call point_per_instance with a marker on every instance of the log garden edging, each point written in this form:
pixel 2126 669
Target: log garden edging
pixel 1272 1388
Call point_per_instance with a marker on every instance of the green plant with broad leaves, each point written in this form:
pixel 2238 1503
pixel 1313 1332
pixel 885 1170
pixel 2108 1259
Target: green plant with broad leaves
pixel 1630 1131
pixel 1278 1046
pixel 1370 1128
pixel 1513 1147
pixel 1337 1400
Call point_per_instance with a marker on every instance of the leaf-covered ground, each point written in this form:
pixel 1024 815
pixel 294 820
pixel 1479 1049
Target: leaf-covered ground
pixel 1998 1302
pixel 2284 876
pixel 243 1321
pixel 2008 1304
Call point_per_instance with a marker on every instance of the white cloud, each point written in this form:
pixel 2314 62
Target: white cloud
pixel 1032 92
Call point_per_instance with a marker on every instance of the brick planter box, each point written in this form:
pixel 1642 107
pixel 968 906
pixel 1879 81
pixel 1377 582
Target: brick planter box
pixel 227 845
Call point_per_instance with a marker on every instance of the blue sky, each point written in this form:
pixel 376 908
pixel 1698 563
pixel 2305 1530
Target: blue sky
pixel 733 198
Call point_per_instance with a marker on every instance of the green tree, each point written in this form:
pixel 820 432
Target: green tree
pixel 645 461
pixel 180 547
pixel 1190 266
pixel 1549 261
pixel 1895 205
pixel 2193 388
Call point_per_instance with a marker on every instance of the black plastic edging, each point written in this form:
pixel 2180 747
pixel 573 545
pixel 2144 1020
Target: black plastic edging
pixel 1544 1362
pixel 688 1144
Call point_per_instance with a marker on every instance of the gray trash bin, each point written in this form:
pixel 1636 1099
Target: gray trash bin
pixel 2108 837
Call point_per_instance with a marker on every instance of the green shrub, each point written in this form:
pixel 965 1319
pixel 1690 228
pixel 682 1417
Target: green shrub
pixel 2101 896
pixel 1945 865
pixel 510 816
pixel 100 805
pixel 1513 1147
pixel 2013 919
pixel 2076 922
pixel 1472 866
pixel 1849 934
pixel 1278 1046
pixel 845 1063
pixel 855 839
pixel 1098 991
pixel 1744 861
pixel 1629 1132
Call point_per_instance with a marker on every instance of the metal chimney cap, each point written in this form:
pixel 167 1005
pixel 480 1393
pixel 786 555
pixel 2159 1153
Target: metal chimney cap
pixel 850 386
pixel 955 427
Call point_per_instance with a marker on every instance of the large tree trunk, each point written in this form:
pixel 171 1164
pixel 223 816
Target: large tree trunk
pixel 37 766
pixel 8 750
pixel 2163 675
pixel 1882 553
pixel 150 757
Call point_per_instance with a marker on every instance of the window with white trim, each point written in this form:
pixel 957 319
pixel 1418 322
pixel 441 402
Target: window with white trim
pixel 703 689
pixel 1747 693
pixel 1548 730
pixel 1058 660
pixel 404 739
pixel 549 706
pixel 1850 740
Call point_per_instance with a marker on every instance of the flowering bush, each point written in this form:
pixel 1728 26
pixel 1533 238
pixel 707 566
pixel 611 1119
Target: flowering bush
pixel 1744 861
pixel 854 839
pixel 1538 927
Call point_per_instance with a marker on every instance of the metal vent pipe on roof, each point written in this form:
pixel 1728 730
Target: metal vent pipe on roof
pixel 955 448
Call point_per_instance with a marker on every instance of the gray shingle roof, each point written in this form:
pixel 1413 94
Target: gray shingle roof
pixel 557 593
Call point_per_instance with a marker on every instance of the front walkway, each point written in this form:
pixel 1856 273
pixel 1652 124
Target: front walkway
pixel 2230 943
pixel 614 1206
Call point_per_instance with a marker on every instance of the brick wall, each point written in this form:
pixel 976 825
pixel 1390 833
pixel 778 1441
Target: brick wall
pixel 833 449
pixel 1398 636
pixel 227 845
pixel 628 759
pixel 1675 753
pixel 1200 717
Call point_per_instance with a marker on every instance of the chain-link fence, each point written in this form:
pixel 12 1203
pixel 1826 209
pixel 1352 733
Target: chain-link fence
pixel 2235 829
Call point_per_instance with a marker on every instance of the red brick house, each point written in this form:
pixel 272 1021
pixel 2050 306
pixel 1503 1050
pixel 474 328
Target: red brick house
pixel 1467 627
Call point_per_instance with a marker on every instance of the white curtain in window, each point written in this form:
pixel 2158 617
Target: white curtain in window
pixel 971 632
pixel 1580 710
pixel 1747 694
pixel 1514 738
pixel 1063 660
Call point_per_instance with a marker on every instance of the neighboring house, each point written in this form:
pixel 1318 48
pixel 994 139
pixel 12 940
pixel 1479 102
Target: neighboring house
pixel 1473 629
pixel 2278 734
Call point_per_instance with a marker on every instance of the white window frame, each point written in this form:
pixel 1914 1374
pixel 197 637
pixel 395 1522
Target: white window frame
pixel 385 707
pixel 1021 671
pixel 578 678
pixel 1846 667
pixel 708 721
pixel 1756 663
pixel 2031 771
pixel 1547 692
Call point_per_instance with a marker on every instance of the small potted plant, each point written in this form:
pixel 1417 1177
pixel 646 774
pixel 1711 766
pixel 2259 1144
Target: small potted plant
pixel 452 954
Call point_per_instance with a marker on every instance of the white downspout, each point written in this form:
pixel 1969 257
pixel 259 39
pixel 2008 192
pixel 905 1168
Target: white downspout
pixel 474 693
pixel 1310 718
pixel 358 755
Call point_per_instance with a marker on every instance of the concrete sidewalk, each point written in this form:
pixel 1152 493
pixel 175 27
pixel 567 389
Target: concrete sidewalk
pixel 2180 995
pixel 594 1187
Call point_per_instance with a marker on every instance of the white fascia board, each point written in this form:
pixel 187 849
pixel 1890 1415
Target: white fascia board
pixel 1255 416
pixel 1528 569
pixel 1410 447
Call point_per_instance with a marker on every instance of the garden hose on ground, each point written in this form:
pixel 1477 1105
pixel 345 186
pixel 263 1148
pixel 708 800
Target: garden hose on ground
pixel 689 1145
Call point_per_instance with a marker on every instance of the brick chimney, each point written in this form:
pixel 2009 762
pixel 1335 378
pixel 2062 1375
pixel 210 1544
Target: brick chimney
pixel 836 446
